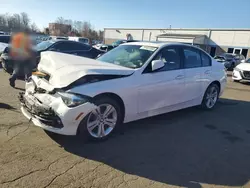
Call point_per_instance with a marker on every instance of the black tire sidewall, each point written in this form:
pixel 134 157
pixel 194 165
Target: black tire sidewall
pixel 204 106
pixel 83 132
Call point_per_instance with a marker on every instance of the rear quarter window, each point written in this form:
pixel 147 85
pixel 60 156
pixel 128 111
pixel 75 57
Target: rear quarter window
pixel 206 60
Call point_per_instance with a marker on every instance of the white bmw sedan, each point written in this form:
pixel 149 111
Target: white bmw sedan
pixel 73 95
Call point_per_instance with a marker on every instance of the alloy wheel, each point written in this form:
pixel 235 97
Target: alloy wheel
pixel 102 121
pixel 211 97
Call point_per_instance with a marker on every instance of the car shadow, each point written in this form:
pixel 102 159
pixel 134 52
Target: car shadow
pixel 6 106
pixel 182 148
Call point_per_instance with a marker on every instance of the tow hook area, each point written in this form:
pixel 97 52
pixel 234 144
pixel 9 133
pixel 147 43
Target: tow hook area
pixel 20 97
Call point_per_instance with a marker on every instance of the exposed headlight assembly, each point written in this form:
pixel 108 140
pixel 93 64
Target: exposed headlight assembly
pixel 73 99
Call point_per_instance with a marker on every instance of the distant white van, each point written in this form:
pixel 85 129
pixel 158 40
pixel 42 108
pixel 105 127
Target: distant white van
pixel 79 39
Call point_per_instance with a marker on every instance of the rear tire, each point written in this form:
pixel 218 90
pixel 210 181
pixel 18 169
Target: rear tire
pixel 102 122
pixel 210 97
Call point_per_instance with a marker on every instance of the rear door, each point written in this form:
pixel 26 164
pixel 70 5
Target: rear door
pixel 193 73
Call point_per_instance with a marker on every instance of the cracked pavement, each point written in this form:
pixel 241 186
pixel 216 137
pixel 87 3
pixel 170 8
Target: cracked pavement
pixel 188 148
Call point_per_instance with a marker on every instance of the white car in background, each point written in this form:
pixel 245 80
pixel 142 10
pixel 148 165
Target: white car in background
pixel 79 39
pixel 242 72
pixel 73 95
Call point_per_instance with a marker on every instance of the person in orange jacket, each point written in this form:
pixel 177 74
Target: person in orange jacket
pixel 21 54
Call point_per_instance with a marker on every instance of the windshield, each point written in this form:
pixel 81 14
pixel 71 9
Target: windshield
pixel 131 56
pixel 44 45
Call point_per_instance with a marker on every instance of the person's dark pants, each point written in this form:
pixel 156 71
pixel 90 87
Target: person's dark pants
pixel 20 67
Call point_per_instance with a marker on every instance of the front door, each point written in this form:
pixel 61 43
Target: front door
pixel 163 87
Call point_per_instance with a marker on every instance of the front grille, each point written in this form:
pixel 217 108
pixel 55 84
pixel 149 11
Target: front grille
pixel 246 74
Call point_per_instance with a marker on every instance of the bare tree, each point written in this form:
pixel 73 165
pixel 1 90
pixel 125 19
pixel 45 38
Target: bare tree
pixel 34 27
pixel 46 31
pixel 60 20
pixel 25 20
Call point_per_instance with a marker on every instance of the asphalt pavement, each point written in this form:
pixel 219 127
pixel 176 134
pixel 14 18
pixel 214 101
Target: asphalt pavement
pixel 188 148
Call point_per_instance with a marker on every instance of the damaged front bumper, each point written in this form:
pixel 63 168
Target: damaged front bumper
pixel 35 110
pixel 50 113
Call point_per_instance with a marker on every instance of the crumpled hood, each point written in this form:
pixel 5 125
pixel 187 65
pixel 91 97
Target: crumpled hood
pixel 244 66
pixel 65 68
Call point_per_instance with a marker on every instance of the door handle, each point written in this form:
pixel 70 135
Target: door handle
pixel 207 72
pixel 179 77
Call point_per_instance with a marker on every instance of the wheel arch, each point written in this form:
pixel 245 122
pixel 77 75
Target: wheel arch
pixel 217 83
pixel 114 96
pixel 213 82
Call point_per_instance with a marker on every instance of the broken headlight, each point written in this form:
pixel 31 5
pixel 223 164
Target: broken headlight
pixel 73 99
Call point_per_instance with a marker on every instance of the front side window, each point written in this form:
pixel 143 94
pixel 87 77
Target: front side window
pixel 170 56
pixel 192 58
pixel 131 56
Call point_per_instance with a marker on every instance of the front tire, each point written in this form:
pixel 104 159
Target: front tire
pixel 102 122
pixel 211 97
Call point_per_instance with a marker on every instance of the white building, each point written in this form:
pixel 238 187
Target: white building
pixel 214 41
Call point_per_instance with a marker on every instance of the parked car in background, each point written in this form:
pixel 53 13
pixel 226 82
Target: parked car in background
pixel 79 39
pixel 92 98
pixel 108 47
pixel 57 37
pixel 230 60
pixel 5 39
pixel 118 42
pixel 242 72
pixel 104 47
pixel 63 46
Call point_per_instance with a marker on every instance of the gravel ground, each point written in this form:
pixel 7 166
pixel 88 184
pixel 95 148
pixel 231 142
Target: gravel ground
pixel 187 148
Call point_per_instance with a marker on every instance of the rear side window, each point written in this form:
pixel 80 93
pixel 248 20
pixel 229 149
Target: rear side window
pixel 206 60
pixel 192 58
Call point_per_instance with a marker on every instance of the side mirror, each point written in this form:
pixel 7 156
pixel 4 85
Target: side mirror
pixel 157 64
